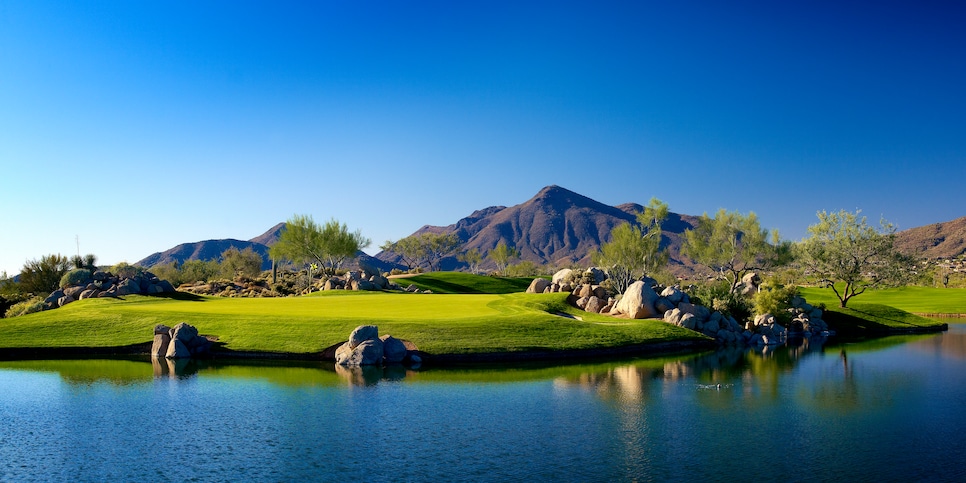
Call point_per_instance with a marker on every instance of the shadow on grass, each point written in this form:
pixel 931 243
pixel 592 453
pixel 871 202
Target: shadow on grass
pixel 184 296
pixel 877 320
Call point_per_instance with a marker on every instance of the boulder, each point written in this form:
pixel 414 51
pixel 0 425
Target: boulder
pixel 74 292
pixel 184 332
pixel 394 350
pixel 380 282
pixel 595 304
pixel 367 353
pixel 162 329
pixel 66 299
pixel 699 311
pixel 363 333
pixel 638 301
pixel 673 295
pixel 586 290
pixel 663 304
pixel 154 289
pixel 562 276
pixel 160 346
pixel 749 283
pixel 166 286
pixel 538 285
pixel 582 302
pixel 89 294
pixel 177 350
pixel 598 275
pixel 128 287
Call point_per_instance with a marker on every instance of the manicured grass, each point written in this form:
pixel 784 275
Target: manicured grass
pixel 863 317
pixel 918 300
pixel 465 283
pixel 437 324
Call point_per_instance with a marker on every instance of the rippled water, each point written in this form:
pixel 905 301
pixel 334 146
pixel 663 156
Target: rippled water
pixel 884 410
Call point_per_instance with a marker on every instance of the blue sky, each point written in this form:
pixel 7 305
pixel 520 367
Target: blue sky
pixel 135 126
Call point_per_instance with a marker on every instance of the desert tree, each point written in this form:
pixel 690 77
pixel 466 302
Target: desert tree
pixel 43 275
pixel 622 256
pixel 732 244
pixel 501 255
pixel 244 263
pixel 844 253
pixel 472 258
pixel 326 246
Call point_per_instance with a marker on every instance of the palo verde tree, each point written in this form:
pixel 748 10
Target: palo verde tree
pixel 326 246
pixel 844 249
pixel 424 249
pixel 732 244
pixel 471 258
pixel 502 255
pixel 243 263
pixel 634 251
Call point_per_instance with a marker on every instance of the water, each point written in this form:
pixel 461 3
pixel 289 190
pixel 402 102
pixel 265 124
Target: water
pixel 891 409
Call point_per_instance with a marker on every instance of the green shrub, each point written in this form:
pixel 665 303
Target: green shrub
pixel 776 299
pixel 35 304
pixel 77 276
pixel 718 296
pixel 126 270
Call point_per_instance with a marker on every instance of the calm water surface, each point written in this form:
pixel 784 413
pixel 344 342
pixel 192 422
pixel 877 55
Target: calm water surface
pixel 891 409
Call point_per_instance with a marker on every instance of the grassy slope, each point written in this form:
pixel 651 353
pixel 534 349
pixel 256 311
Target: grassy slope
pixel 465 283
pixel 870 314
pixel 438 324
pixel 919 300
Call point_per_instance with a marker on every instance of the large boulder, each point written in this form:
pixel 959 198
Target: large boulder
pixel 597 274
pixel 563 275
pixel 674 295
pixel 595 304
pixel 177 350
pixel 394 350
pixel 160 346
pixel 184 332
pixel 361 334
pixel 368 352
pixel 637 302
pixel 128 287
pixel 538 285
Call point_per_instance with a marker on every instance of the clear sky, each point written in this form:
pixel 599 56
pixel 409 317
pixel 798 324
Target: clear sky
pixel 132 127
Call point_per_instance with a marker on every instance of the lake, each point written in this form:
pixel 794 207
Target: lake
pixel 890 409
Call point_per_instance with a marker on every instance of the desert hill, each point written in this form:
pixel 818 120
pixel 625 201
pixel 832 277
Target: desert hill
pixel 939 240
pixel 556 226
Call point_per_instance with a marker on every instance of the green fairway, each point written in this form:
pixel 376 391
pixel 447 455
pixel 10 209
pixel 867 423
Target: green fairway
pixel 437 324
pixel 918 300
pixel 465 283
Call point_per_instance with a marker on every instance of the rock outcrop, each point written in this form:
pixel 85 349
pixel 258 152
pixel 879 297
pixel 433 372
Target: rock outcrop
pixel 178 342
pixel 105 284
pixel 365 347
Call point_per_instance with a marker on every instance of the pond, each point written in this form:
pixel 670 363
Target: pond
pixel 890 409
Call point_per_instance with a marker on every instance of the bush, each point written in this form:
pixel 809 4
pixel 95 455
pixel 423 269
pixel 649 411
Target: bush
pixel 717 296
pixel 775 299
pixel 35 304
pixel 126 270
pixel 43 276
pixel 77 276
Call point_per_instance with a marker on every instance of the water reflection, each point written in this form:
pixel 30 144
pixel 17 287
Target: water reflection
pixel 174 368
pixel 371 375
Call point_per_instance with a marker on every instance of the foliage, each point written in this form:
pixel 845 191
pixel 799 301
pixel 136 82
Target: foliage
pixel 43 276
pixel 126 270
pixel 501 256
pixel 471 258
pixel 525 268
pixel 622 257
pixel 35 304
pixel 304 241
pixel 409 249
pixel 438 245
pixel 720 297
pixel 198 271
pixel 844 249
pixel 732 244
pixel 77 276
pixel 775 299
pixel 244 263
pixel 632 251
pixel 88 261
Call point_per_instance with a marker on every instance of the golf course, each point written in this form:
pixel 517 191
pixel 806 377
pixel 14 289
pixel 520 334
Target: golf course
pixel 478 315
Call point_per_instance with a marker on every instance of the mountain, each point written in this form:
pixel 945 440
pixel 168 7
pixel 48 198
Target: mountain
pixel 556 226
pixel 939 240
pixel 212 250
